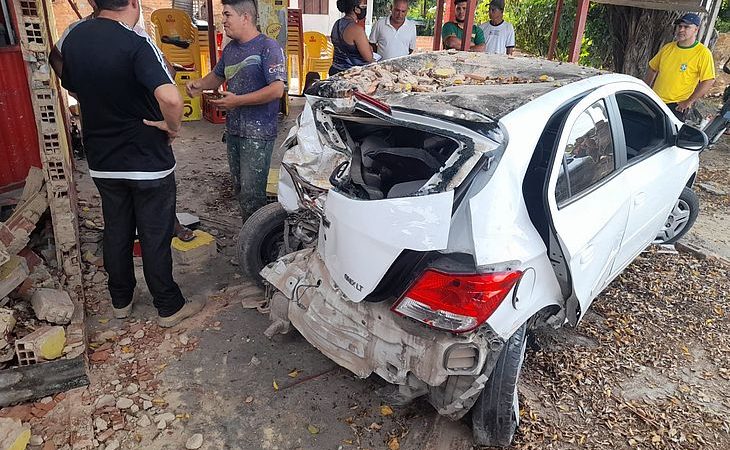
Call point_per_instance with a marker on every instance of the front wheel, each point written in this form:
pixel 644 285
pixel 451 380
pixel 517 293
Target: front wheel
pixel 496 414
pixel 681 218
pixel 261 240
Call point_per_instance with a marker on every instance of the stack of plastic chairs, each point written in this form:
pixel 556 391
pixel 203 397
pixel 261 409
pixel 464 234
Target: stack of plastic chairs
pixel 295 51
pixel 318 53
pixel 174 26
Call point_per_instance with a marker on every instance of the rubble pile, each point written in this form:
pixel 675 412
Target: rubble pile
pixel 436 71
pixel 34 309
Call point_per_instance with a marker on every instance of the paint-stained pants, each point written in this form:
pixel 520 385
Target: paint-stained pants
pixel 249 161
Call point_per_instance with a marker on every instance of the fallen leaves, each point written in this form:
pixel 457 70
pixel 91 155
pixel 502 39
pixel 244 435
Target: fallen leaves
pixel 386 410
pixel 276 385
pixel 312 429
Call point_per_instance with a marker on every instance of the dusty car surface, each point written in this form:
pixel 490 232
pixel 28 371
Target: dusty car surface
pixel 436 207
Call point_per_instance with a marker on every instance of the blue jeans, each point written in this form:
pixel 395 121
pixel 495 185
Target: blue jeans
pixel 249 161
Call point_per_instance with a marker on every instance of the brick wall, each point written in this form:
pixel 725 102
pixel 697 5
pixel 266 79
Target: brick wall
pixel 65 14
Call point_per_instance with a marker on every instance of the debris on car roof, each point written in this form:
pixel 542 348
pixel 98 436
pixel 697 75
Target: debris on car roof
pixel 419 81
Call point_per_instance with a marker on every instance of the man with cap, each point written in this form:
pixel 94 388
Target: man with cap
pixel 499 35
pixel 453 32
pixel 683 71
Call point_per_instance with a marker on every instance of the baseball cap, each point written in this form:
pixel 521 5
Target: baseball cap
pixel 689 19
pixel 497 4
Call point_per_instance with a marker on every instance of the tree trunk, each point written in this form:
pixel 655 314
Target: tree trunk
pixel 637 35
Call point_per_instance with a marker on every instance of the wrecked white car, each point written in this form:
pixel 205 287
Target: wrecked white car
pixel 434 208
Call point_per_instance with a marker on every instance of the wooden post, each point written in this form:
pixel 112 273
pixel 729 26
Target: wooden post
pixel 471 6
pixel 581 14
pixel 438 25
pixel 556 28
pixel 212 47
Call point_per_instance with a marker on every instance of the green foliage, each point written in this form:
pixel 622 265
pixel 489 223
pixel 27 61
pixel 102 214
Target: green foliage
pixel 723 20
pixel 533 22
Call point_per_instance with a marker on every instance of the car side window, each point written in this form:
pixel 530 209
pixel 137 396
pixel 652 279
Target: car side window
pixel 588 156
pixel 644 124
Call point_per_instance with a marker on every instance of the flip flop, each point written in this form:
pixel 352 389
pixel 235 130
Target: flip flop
pixel 184 234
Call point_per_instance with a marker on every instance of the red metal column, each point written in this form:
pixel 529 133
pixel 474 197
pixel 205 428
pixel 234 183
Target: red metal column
pixel 438 25
pixel 556 28
pixel 581 14
pixel 471 7
pixel 212 50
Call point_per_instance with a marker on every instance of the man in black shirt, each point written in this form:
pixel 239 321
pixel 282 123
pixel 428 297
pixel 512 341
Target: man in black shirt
pixel 131 111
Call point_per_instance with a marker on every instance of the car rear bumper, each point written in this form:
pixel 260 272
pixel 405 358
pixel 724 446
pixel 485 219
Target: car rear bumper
pixel 367 337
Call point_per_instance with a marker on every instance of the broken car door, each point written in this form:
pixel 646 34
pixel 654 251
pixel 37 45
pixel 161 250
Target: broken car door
pixel 586 201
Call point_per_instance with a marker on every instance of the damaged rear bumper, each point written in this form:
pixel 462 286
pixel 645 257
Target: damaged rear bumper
pixel 367 337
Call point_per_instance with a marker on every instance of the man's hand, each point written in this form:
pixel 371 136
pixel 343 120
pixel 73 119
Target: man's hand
pixel 685 105
pixel 162 125
pixel 194 88
pixel 228 101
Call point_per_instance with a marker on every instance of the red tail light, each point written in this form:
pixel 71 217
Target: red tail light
pixel 455 302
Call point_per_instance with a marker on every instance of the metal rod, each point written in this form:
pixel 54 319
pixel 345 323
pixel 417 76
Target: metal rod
pixel 581 14
pixel 438 25
pixel 556 29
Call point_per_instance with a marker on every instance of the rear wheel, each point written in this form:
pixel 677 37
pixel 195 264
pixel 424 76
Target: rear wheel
pixel 261 240
pixel 496 413
pixel 681 218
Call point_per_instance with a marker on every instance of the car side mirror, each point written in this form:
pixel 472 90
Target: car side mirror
pixel 690 138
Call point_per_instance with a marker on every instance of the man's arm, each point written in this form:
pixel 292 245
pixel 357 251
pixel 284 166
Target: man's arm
pixel 56 60
pixel 700 91
pixel 209 82
pixel 266 94
pixel 650 76
pixel 171 105
pixel 452 42
pixel 480 44
pixel 478 48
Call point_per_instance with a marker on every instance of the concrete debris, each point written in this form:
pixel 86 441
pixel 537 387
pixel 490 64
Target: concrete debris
pixel 146 405
pixel 139 334
pixel 712 188
pixel 36 440
pixel 167 417
pixel 105 400
pixel 13 434
pixel 12 274
pixel 99 277
pixel 161 425
pixel 112 445
pixel 124 403
pixel 144 421
pixel 52 305
pixel 132 388
pixel 100 424
pixel 44 344
pixel 197 252
pixel 194 442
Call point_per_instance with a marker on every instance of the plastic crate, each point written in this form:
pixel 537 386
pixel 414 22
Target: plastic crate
pixel 212 113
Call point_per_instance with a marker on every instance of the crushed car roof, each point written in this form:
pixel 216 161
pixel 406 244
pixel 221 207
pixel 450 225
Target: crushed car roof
pixel 450 83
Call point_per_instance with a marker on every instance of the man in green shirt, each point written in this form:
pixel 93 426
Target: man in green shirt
pixel 453 32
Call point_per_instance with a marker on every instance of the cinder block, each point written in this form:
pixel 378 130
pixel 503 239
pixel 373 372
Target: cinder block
pixel 44 344
pixel 52 305
pixel 13 434
pixel 12 274
pixel 199 251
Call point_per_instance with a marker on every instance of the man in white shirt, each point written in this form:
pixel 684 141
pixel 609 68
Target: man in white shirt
pixel 394 35
pixel 498 34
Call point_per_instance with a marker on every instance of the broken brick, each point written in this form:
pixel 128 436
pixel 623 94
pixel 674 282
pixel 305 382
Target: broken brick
pixel 52 305
pixel 198 252
pixel 46 343
pixel 100 356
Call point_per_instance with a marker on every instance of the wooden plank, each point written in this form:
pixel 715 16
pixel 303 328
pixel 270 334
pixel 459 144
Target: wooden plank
pixel 676 5
pixel 556 27
pixel 21 384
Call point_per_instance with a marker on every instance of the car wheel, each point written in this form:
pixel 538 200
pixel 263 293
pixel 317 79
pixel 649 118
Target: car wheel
pixel 681 218
pixel 261 240
pixel 496 414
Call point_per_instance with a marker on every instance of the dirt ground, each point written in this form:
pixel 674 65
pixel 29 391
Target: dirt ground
pixel 649 367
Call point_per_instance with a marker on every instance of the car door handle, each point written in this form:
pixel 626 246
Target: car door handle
pixel 639 198
pixel 586 255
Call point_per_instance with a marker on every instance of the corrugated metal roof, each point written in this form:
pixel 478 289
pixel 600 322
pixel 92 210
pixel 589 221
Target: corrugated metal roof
pixel 19 148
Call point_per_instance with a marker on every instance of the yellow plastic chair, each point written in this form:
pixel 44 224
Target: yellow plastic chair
pixel 318 53
pixel 177 24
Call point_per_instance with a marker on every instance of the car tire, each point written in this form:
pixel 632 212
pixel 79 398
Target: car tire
pixel 495 415
pixel 261 240
pixel 680 220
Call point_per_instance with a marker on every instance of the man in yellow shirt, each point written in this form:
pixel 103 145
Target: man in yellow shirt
pixel 683 71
